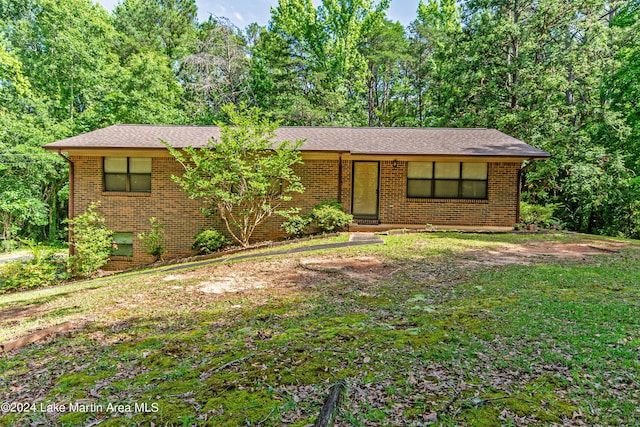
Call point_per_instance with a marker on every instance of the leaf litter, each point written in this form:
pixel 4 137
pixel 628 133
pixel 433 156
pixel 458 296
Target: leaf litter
pixel 391 340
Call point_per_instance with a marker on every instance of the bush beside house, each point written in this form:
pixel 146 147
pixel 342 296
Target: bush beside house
pixel 325 217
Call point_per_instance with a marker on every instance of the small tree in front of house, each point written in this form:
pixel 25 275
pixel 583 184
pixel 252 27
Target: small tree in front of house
pixel 244 177
pixel 92 241
pixel 153 241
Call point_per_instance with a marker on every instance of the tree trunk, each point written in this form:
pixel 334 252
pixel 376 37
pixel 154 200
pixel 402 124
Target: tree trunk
pixel 372 106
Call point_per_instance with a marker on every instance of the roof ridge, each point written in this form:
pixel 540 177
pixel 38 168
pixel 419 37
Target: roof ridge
pixel 308 127
pixel 385 127
pixel 156 125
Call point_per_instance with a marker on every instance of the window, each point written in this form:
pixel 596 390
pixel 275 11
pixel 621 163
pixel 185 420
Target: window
pixel 447 180
pixel 128 174
pixel 122 244
pixel 419 179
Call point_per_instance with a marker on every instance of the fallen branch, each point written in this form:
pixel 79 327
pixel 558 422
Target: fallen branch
pixel 267 417
pixel 233 362
pixel 36 336
pixel 330 406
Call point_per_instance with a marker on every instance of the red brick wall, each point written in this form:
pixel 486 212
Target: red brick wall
pixel 130 212
pixel 498 210
pixel 182 219
pixel 320 179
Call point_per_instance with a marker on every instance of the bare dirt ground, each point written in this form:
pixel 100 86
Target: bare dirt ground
pixel 264 278
pixel 287 273
pixel 537 251
pixel 282 273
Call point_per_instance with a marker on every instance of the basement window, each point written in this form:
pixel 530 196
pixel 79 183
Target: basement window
pixel 127 174
pixel 447 180
pixel 122 244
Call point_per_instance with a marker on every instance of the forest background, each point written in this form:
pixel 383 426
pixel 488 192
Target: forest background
pixel 563 76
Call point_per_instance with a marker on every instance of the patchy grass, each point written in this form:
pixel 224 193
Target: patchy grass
pixel 447 329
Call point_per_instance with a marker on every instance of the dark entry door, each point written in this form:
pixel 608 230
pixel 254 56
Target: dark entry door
pixel 365 190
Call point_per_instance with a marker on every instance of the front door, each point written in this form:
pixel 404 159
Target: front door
pixel 364 203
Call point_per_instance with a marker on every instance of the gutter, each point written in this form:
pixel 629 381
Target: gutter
pixel 72 248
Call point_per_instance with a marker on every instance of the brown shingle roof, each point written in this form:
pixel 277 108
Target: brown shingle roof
pixel 382 141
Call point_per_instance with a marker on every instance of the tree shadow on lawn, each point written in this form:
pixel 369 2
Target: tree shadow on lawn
pixel 414 341
pixel 269 366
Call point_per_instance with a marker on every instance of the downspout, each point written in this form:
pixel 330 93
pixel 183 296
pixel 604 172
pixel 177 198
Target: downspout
pixel 72 248
pixel 340 177
pixel 520 184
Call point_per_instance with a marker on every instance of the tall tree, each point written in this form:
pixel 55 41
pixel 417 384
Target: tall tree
pixel 331 68
pixel 64 49
pixel 218 72
pixel 31 181
pixel 385 49
pixel 435 39
pixel 621 86
pixel 167 27
pixel 143 90
pixel 281 82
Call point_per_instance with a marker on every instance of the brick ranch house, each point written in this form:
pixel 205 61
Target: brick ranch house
pixel 447 177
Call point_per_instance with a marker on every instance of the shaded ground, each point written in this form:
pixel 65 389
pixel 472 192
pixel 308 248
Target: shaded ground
pixel 427 329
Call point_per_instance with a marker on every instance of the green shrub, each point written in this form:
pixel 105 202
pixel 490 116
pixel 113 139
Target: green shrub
pixel 92 241
pixel 208 241
pixel 542 216
pixel 297 225
pixel 153 242
pixel 328 216
pixel 332 203
pixel 43 269
pixel 8 245
pixel 325 217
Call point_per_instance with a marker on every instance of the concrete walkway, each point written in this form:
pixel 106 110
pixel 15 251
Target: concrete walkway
pixel 15 256
pixel 355 239
pixel 23 255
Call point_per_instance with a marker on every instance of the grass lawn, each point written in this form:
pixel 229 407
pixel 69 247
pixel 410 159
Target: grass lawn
pixel 427 329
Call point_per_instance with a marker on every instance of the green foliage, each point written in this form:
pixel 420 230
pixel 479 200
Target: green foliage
pixel 244 177
pixel 8 245
pixel 209 241
pixel 325 217
pixel 92 241
pixel 166 27
pixel 43 269
pixel 542 216
pixel 73 44
pixel 153 242
pixel 634 209
pixel 332 203
pixel 316 57
pixel 297 225
pixel 21 275
pixel 328 218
